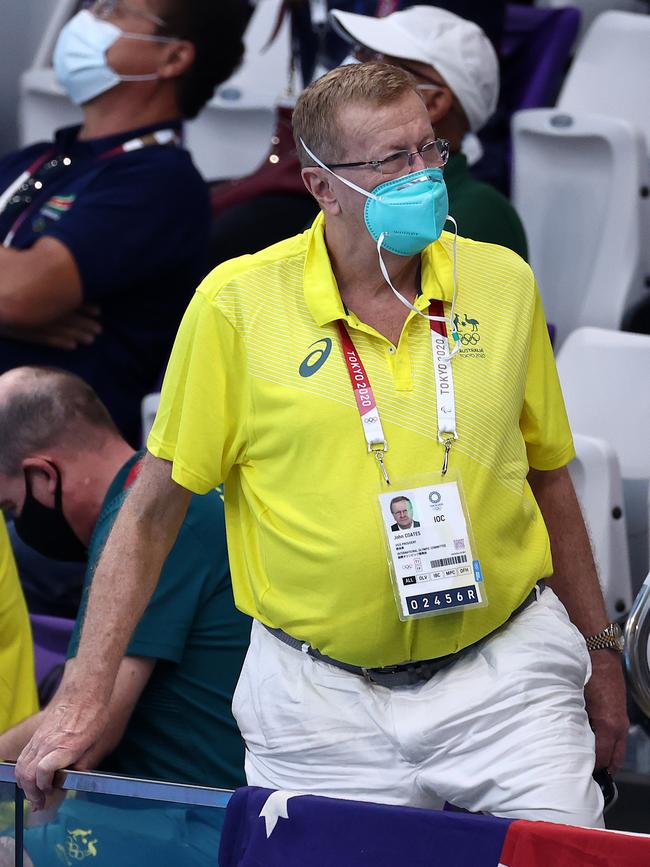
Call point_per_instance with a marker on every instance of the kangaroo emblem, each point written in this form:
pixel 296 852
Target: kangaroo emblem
pixel 472 322
pixel 456 322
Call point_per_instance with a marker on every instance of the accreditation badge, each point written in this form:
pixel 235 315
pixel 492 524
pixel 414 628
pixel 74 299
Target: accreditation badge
pixel 432 555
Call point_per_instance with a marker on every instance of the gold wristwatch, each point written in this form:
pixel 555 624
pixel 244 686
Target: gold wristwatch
pixel 610 638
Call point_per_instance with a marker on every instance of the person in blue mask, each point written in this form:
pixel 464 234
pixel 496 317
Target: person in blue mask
pixel 376 357
pixel 104 230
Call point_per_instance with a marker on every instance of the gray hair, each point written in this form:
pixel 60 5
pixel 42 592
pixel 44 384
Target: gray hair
pixel 46 407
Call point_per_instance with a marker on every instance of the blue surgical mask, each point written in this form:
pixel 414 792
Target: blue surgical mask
pixel 404 216
pixel 80 56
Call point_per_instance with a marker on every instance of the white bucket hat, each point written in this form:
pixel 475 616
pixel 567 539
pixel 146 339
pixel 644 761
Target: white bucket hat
pixel 458 49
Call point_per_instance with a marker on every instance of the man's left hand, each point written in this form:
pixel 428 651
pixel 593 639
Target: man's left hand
pixel 606 706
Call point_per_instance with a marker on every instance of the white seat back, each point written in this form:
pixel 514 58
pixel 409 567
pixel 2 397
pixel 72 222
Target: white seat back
pixel 591 9
pixel 611 70
pixel 149 408
pixel 577 182
pixel 231 136
pixel 596 475
pixel 605 378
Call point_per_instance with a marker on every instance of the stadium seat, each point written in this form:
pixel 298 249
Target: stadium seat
pixel 149 409
pixel 610 73
pixel 604 376
pixel 578 181
pixel 232 136
pixel 590 9
pixel 596 475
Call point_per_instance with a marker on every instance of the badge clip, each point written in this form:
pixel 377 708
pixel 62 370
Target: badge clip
pixel 448 441
pixel 379 455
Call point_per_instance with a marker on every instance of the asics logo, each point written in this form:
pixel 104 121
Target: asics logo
pixel 316 358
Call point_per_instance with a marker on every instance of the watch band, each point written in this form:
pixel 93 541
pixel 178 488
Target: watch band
pixel 610 638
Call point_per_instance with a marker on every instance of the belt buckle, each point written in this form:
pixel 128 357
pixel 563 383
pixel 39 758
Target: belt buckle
pixel 369 673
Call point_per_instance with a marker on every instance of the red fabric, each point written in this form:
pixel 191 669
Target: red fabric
pixel 541 844
pixel 386 7
pixel 279 173
pixel 133 475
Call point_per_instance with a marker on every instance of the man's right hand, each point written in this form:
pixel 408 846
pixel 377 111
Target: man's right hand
pixel 72 725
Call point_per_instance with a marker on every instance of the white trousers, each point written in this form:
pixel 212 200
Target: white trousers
pixel 503 731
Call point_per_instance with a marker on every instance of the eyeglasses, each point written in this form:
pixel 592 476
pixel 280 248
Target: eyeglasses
pixel 434 155
pixel 114 8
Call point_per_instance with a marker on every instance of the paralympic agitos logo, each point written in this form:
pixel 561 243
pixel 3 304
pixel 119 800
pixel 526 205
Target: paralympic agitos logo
pixel 320 352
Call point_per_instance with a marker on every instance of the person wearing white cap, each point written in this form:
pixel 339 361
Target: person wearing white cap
pixel 457 74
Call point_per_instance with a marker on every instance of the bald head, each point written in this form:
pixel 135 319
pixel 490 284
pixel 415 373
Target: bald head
pixel 43 408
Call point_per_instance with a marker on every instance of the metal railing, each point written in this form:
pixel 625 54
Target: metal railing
pixel 637 647
pixel 107 784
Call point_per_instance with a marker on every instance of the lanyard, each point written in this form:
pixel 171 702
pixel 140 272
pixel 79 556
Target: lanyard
pixel 28 178
pixel 367 405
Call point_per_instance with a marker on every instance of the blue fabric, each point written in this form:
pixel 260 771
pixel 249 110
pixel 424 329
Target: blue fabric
pixel 322 832
pixel 138 228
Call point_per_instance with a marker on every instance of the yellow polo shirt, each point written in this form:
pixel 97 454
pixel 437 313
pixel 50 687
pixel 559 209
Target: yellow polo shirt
pixel 18 697
pixel 257 395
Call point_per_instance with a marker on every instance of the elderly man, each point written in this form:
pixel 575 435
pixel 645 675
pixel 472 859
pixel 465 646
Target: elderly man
pixel 104 230
pixel 64 473
pixel 300 379
pixel 457 75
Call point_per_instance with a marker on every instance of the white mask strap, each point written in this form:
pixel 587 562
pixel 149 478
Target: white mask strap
pixel 147 37
pixel 343 180
pixel 449 322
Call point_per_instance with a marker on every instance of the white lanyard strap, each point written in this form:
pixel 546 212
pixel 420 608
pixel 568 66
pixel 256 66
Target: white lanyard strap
pixel 445 397
pixel 159 137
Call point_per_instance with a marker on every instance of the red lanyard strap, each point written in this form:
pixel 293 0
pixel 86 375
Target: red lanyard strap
pixel 367 405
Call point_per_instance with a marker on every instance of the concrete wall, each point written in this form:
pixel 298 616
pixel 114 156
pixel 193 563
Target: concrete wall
pixel 22 24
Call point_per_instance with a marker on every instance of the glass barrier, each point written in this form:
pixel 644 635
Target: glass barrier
pixel 106 820
pixel 7 816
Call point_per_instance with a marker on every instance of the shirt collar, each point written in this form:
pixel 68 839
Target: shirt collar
pixel 66 139
pixel 322 293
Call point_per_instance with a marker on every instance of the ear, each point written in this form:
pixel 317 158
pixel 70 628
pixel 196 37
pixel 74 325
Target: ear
pixel 177 59
pixel 439 103
pixel 319 184
pixel 43 479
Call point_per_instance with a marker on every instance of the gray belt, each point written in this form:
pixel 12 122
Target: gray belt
pixel 398 675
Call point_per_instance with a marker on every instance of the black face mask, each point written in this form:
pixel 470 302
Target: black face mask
pixel 46 530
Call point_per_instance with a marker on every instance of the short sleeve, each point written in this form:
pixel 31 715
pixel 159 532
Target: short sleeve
pixel 133 219
pixel 201 421
pixel 544 423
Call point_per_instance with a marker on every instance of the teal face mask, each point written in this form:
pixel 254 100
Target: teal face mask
pixel 404 216
pixel 409 211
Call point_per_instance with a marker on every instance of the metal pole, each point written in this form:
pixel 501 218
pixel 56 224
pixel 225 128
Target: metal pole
pixel 20 826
